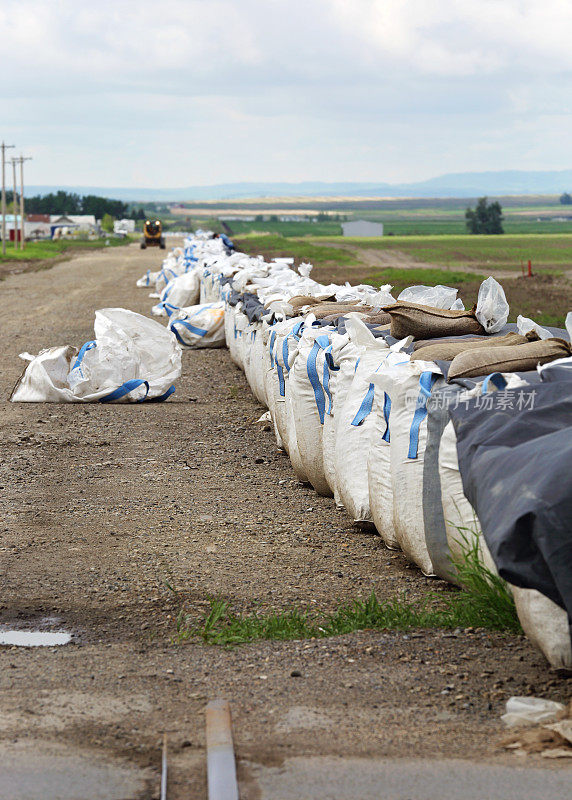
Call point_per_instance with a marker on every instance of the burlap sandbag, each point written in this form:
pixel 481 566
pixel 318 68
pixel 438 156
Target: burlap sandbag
pixel 326 309
pixel 301 300
pixel 520 358
pixel 427 322
pixel 448 350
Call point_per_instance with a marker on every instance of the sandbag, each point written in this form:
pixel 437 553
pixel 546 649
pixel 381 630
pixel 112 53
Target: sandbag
pixel 515 457
pixel 510 358
pixel 338 309
pixel 131 359
pixel 442 398
pixel 546 625
pixel 181 292
pixel 461 521
pixel 254 361
pixel 427 322
pixel 283 344
pixel 413 384
pixel 271 382
pixel 308 387
pixel 199 326
pixel 148 279
pixel 344 354
pixel 447 350
pixel 299 301
pixel 355 427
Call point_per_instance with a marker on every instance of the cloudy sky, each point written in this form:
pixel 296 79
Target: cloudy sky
pixel 185 92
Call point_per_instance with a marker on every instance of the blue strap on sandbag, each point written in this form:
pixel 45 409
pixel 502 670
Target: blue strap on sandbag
pixel 497 379
pixel 83 350
pixel 386 413
pixel 365 408
pixel 329 366
pixel 281 382
pixel 162 397
pixel 426 382
pixel 272 340
pixel 124 389
pixel 320 343
pixel 192 328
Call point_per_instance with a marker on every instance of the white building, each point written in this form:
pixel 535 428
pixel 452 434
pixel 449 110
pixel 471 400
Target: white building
pixel 362 227
pixel 78 222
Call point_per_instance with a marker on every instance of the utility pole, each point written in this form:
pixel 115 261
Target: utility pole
pixel 14 162
pixel 4 147
pixel 21 160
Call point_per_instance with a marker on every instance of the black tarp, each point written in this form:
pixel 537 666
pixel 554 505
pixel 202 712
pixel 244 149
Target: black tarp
pixel 515 458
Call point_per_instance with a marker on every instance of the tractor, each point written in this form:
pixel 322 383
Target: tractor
pixel 152 235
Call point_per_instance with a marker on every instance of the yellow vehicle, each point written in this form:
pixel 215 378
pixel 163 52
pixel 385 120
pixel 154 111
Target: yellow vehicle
pixel 152 235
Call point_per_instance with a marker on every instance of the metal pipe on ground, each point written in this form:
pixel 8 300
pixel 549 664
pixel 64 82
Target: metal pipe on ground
pixel 221 765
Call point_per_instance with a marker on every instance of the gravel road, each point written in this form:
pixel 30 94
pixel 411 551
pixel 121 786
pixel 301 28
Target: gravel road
pixel 106 506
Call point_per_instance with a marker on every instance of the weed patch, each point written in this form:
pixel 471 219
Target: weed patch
pixel 484 602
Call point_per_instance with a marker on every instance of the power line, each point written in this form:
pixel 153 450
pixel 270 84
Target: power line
pixel 4 147
pixel 21 159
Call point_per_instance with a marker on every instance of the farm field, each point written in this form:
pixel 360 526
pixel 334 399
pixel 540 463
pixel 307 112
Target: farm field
pixel 401 217
pixel 462 261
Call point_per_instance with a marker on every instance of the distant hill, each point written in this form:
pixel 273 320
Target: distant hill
pixel 457 184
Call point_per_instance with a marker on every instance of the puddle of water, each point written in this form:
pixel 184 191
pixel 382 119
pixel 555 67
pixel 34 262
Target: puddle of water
pixel 34 638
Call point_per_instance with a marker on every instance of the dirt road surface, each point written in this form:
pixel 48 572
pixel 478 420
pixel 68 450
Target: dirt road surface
pixel 105 506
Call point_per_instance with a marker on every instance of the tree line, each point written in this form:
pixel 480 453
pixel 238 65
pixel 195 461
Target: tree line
pixel 64 203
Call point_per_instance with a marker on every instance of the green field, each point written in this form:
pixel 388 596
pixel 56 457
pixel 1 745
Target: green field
pixel 287 228
pixel 502 252
pixel 271 246
pixel 46 249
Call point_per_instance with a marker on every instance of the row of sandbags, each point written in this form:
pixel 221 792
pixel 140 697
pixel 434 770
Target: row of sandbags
pixel 361 388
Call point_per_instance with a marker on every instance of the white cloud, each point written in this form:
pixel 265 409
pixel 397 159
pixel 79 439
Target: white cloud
pixel 284 89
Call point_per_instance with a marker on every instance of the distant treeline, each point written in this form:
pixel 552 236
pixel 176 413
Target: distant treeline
pixel 70 203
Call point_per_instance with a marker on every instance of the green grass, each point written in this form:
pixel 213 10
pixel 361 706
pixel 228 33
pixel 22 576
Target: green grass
pixel 506 251
pixel 484 602
pixel 286 228
pixel 422 275
pixel 43 250
pixel 272 245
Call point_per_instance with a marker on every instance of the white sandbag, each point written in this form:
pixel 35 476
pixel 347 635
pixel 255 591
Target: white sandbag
pixel 283 345
pixel 309 398
pixel 199 326
pixel 413 384
pixel 209 285
pixel 165 274
pixel 148 279
pixel 271 383
pixel 344 355
pixel 180 292
pixel 546 625
pixel 232 334
pixel 380 487
pixel 461 523
pixel 131 359
pixel 380 480
pixel 255 361
pixel 355 429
